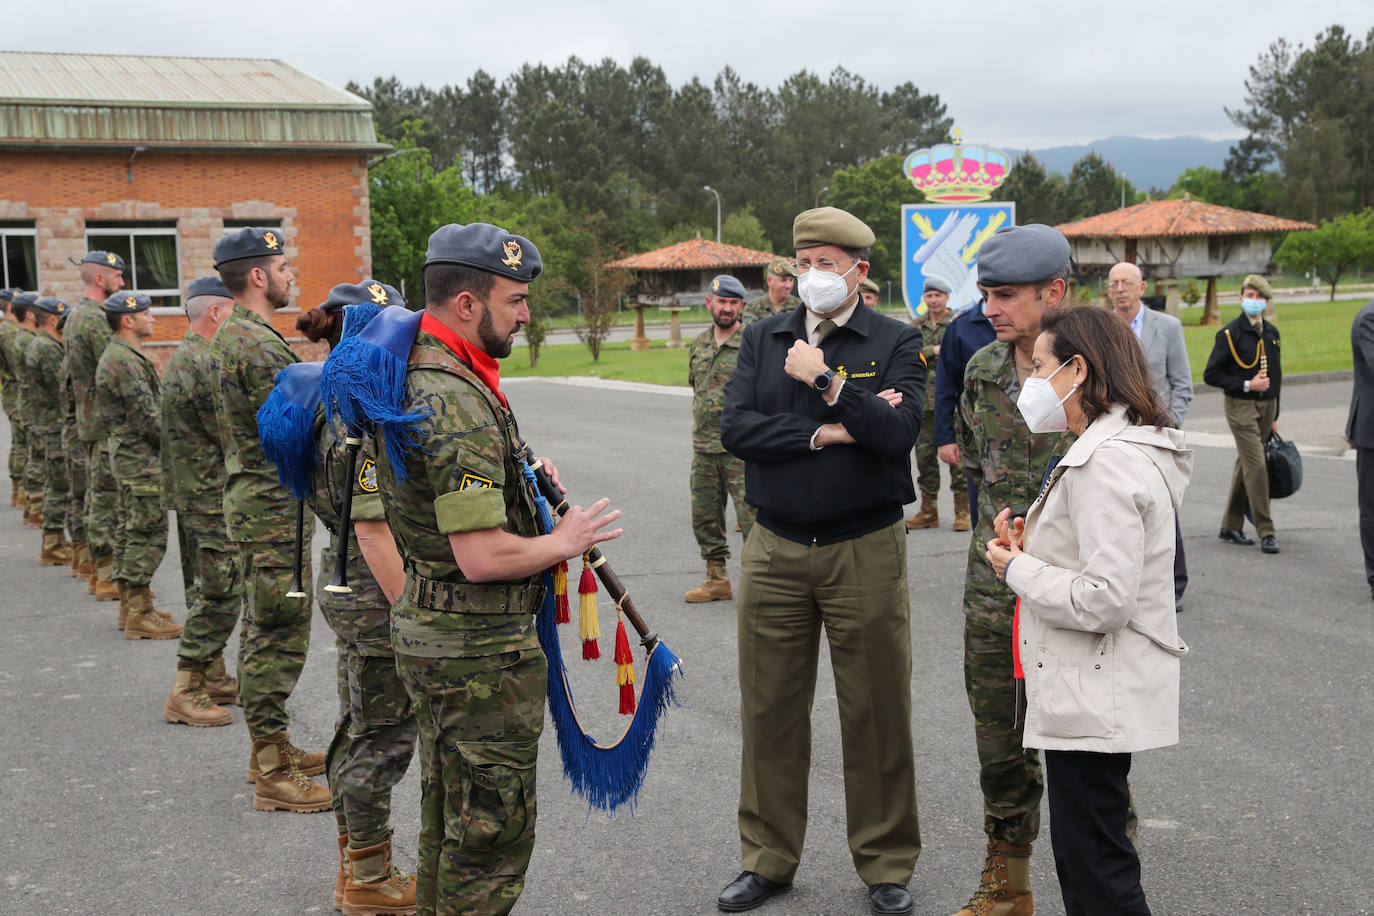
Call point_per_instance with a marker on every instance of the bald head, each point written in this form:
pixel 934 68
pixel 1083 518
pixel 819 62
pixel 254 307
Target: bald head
pixel 1125 286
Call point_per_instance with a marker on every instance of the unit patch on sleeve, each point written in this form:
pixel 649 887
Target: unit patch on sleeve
pixel 475 482
pixel 367 476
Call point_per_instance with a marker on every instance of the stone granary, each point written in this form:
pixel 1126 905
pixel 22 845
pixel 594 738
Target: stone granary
pixel 678 275
pixel 1173 239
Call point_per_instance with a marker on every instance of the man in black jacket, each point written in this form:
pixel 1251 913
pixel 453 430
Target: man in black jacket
pixel 1245 364
pixel 824 406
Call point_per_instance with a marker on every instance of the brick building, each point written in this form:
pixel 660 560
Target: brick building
pixel 156 157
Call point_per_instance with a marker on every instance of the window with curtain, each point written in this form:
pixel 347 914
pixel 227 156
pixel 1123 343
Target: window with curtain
pixel 19 259
pixel 152 262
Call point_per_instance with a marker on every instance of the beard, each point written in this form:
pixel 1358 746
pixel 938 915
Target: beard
pixel 724 322
pixel 496 347
pixel 278 292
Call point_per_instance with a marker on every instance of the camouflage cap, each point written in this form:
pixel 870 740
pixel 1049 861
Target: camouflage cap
pixel 727 287
pixel 1022 254
pixel 1259 285
pixel 104 259
pixel 366 290
pixel 485 247
pixel 208 286
pixel 248 242
pixel 869 286
pixel 127 304
pixel 830 226
pixel 52 305
pixel 782 267
pixel 939 284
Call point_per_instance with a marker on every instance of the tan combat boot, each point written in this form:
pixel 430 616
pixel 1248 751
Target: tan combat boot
pixel 144 622
pixel 961 519
pixel 105 587
pixel 341 878
pixel 375 886
pixel 81 560
pixel 1005 887
pixel 311 763
pixel 189 704
pixel 14 493
pixel 55 551
pixel 33 514
pixel 281 786
pixel 123 602
pixel 222 687
pixel 715 587
pixel 93 582
pixel 928 517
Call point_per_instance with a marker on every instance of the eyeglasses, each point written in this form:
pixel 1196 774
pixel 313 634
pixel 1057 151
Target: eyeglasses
pixel 825 264
pixel 1121 284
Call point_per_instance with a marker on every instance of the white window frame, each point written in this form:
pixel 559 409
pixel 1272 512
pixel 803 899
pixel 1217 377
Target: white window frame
pixel 5 263
pixel 135 230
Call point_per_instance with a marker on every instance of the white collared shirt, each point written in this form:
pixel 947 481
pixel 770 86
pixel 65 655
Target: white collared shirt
pixel 1138 322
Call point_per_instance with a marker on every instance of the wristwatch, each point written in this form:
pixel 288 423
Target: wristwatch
pixel 822 382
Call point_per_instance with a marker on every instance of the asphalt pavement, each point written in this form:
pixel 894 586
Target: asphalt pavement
pixel 1262 807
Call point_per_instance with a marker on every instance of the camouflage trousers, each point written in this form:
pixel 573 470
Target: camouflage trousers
pixel 480 720
pixel 275 635
pixel 713 476
pixel 213 581
pixel 1009 774
pixel 56 500
pixel 19 447
pixel 141 536
pixel 35 463
pixel 102 500
pixel 928 463
pixel 76 488
pixel 374 737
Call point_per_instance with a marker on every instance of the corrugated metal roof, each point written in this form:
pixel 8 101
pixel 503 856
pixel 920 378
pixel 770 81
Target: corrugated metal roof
pixel 695 254
pixel 1173 218
pixel 95 99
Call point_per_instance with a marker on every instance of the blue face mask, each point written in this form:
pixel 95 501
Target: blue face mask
pixel 1254 307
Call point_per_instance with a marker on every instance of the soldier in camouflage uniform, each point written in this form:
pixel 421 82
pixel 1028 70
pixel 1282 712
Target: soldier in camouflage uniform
pixel 127 394
pixel 9 396
pixel 780 278
pixel 193 485
pixel 45 425
pixel 933 324
pixel 247 353
pixel 375 734
pixel 1023 270
pixel 74 455
pixel 710 363
pixel 465 524
pixel 86 336
pixel 35 463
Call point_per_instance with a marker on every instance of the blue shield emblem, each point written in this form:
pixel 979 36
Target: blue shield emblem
pixel 942 240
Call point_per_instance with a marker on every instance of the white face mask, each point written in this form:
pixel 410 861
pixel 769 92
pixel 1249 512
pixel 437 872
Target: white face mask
pixel 1042 411
pixel 822 291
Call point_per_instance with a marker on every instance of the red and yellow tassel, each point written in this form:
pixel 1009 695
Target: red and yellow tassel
pixel 588 627
pixel 562 612
pixel 624 668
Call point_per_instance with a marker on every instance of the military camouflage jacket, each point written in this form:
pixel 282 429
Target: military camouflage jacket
pixel 23 375
pixel 465 478
pixel 932 332
pixel 247 354
pixel 85 338
pixel 45 384
pixel 192 458
pixel 7 378
pixel 127 398
pixel 1007 462
pixel 709 367
pixel 761 308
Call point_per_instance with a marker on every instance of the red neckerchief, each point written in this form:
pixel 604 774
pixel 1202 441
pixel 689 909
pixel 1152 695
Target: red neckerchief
pixel 482 365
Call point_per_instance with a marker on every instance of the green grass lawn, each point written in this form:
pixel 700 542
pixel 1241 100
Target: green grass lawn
pixel 1316 338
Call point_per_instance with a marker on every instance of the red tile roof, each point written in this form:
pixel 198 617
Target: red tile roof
pixel 1165 218
pixel 695 254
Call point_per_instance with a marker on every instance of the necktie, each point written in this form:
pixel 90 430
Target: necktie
pixel 824 328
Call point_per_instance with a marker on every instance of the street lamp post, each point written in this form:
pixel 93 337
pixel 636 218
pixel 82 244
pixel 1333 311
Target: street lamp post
pixel 717 193
pixel 820 193
pixel 1123 190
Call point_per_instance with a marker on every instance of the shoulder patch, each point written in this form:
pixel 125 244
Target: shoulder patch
pixel 475 482
pixel 367 476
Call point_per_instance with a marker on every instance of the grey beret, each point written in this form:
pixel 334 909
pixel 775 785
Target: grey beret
pixel 727 286
pixel 8 293
pixel 104 259
pixel 939 284
pixel 248 242
pixel 25 299
pixel 52 305
pixel 127 304
pixel 1022 254
pixel 208 286
pixel 830 226
pixel 485 247
pixel 366 290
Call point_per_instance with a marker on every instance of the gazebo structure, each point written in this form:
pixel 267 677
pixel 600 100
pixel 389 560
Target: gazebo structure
pixel 1171 239
pixel 675 278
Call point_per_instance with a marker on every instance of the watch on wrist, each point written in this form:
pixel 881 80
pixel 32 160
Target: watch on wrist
pixel 822 382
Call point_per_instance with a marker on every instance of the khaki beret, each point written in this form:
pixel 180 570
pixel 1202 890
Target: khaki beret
pixel 782 267
pixel 1259 285
pixel 830 226
pixel 869 286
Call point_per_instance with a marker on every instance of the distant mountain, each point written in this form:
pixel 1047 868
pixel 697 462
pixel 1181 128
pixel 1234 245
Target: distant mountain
pixel 1147 163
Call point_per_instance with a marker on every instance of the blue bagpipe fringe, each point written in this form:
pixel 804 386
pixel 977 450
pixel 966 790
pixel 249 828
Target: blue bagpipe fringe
pixel 286 425
pixel 607 777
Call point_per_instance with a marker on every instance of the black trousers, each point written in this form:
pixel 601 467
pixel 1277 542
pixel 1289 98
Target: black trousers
pixel 1181 562
pixel 1364 478
pixel 1099 870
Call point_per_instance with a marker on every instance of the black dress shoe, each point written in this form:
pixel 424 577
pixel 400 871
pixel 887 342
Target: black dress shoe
pixel 889 900
pixel 1236 537
pixel 1269 544
pixel 748 891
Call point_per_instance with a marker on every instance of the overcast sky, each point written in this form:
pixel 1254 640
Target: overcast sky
pixel 1013 74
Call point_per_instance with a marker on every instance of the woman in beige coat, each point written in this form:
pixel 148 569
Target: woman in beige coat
pixel 1092 563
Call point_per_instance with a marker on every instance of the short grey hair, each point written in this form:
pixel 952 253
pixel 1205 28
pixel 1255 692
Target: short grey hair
pixel 197 307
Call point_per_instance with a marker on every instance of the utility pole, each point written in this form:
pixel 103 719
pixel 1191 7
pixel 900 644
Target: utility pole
pixel 717 193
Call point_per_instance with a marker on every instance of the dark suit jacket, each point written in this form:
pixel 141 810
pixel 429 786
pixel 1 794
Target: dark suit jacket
pixel 1359 427
pixel 969 332
pixel 841 491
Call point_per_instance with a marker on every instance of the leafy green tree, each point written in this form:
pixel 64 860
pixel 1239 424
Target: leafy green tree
pixel 875 193
pixel 1094 186
pixel 743 228
pixel 1040 197
pixel 1333 249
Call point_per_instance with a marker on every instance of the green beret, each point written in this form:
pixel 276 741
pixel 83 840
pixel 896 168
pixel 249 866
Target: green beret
pixel 867 285
pixel 1022 254
pixel 248 242
pixel 52 305
pixel 368 290
pixel 726 287
pixel 127 304
pixel 830 226
pixel 485 247
pixel 782 267
pixel 1259 285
